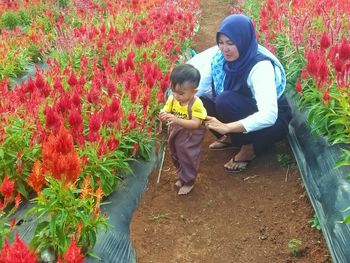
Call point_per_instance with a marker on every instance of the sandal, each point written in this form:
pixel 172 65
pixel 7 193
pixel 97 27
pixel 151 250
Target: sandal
pixel 221 145
pixel 185 189
pixel 238 166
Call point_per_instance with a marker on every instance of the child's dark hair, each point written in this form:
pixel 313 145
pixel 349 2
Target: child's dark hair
pixel 184 73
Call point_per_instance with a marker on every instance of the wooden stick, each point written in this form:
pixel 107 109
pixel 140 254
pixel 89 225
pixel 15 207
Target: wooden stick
pixel 286 178
pixel 161 164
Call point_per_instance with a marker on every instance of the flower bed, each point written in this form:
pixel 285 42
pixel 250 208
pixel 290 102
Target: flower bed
pixel 69 132
pixel 311 38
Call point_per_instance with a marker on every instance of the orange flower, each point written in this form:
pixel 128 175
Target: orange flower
pixel 86 189
pixel 60 158
pixel 36 179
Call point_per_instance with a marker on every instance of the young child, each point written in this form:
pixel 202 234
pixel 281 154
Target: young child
pixel 184 113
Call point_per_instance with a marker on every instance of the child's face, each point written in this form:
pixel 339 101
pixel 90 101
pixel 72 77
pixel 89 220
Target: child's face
pixel 184 93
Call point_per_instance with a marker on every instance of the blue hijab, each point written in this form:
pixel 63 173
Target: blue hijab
pixel 240 30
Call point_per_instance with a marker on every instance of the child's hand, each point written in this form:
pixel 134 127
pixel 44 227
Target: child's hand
pixel 163 116
pixel 171 119
pixel 167 117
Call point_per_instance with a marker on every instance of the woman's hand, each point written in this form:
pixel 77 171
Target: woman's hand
pixel 216 125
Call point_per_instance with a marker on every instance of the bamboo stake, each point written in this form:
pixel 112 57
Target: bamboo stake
pixel 161 164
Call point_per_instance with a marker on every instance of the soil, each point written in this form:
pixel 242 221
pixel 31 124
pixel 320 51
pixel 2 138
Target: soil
pixel 243 217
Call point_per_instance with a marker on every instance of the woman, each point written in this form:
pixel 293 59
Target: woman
pixel 246 105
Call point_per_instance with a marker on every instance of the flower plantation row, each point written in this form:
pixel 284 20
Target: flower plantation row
pixel 69 131
pixel 312 40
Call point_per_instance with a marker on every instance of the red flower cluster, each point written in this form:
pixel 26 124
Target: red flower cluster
pixel 18 252
pixel 73 254
pixel 60 159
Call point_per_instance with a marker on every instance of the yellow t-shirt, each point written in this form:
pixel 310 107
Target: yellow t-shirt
pixel 174 107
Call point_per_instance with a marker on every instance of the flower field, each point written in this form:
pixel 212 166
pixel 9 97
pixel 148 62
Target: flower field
pixel 69 131
pixel 312 40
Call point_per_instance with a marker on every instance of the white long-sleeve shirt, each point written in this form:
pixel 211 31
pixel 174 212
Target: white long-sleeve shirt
pixel 261 81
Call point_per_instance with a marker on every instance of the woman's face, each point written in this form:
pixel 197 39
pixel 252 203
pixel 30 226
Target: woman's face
pixel 228 49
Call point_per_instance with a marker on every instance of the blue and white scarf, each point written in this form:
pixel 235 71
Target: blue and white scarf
pixel 218 73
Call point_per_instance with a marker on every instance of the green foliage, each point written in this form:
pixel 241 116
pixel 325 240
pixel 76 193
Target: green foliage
pixel 34 54
pixel 9 20
pixel 314 222
pixel 5 226
pixel 284 159
pixel 25 18
pixel 295 246
pixel 104 169
pixel 16 64
pixel 18 141
pixel 63 3
pixel 60 212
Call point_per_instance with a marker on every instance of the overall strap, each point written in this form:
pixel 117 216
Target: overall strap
pixel 189 106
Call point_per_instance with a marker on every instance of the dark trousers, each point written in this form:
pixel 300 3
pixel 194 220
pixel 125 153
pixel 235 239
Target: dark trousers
pixel 231 106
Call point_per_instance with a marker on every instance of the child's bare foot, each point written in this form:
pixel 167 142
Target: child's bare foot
pixel 178 183
pixel 185 189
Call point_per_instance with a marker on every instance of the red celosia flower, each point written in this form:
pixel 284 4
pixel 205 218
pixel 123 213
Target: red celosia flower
pixel 112 143
pixel 326 96
pixel 94 95
pixel 17 200
pixel 119 69
pixel 95 122
pixel 36 179
pixel 132 118
pixel 129 63
pixel 325 41
pixel 53 121
pixel 19 164
pixel 58 85
pixel 75 120
pixel 63 104
pixel 18 252
pixel 311 65
pixel 60 159
pixel 135 150
pixel 111 88
pixel 338 65
pixel 75 99
pixel 63 142
pixel 39 81
pixel 7 187
pixel 30 87
pixel 344 50
pixel 73 253
pixel 102 149
pixel 323 71
pixel 12 223
pixel 164 84
pixel 72 81
pixel 298 87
